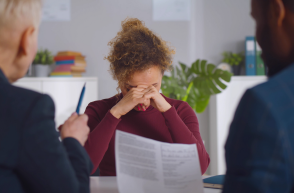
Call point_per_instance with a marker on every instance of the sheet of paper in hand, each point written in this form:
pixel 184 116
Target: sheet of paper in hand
pixel 146 165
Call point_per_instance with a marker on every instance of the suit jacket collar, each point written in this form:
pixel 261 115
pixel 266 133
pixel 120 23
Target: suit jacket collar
pixel 3 77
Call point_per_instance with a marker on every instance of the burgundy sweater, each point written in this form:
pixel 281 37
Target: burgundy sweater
pixel 177 125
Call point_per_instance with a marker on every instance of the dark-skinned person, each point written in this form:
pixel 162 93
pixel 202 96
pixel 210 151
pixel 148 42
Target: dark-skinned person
pixel 260 147
pixel 32 158
pixel 138 58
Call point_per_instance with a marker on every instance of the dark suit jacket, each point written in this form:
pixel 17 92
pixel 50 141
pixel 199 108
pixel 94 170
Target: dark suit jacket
pixel 260 146
pixel 32 159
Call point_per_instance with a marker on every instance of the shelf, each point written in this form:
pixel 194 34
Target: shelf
pixel 249 78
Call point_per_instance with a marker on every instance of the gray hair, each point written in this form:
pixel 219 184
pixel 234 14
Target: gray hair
pixel 14 11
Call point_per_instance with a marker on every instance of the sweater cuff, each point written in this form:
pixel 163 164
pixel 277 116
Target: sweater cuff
pixel 111 118
pixel 170 113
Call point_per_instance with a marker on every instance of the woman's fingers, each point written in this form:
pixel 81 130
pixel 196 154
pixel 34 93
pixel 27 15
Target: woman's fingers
pixel 150 88
pixel 139 88
pixel 131 100
pixel 143 105
pixel 150 94
pixel 138 98
pixel 134 94
pixel 137 93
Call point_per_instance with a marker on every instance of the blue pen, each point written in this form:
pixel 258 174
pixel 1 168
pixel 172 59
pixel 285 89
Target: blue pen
pixel 81 99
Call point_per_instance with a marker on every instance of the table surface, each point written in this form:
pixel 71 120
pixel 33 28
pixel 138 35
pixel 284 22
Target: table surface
pixel 109 185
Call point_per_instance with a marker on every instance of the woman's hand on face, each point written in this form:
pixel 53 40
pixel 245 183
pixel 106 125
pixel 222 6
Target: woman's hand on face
pixel 156 99
pixel 129 101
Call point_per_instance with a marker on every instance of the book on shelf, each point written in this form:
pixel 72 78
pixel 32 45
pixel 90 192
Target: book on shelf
pixel 63 68
pixel 73 62
pixel 69 53
pixel 81 65
pixel 60 73
pixel 64 62
pixel 254 64
pixel 81 61
pixel 260 70
pixel 61 58
pixel 69 64
pixel 78 71
pixel 66 74
pixel 250 58
pixel 78 68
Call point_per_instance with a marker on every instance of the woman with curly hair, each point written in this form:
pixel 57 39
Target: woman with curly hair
pixel 138 59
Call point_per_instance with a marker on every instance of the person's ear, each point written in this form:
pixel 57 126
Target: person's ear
pixel 25 52
pixel 28 40
pixel 278 12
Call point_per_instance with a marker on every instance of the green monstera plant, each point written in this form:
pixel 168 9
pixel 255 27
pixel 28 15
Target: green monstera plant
pixel 195 84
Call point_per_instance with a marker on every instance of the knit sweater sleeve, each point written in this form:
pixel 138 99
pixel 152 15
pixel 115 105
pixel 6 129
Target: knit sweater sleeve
pixel 184 128
pixel 102 130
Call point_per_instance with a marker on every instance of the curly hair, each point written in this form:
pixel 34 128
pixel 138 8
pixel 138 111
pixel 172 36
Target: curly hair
pixel 136 48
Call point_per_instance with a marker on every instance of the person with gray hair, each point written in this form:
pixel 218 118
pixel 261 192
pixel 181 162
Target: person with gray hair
pixel 32 158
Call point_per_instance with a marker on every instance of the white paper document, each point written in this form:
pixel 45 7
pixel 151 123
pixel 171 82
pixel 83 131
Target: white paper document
pixel 56 10
pixel 148 166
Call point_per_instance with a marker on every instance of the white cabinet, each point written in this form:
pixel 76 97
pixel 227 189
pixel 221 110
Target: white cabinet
pixel 65 93
pixel 221 112
pixel 29 83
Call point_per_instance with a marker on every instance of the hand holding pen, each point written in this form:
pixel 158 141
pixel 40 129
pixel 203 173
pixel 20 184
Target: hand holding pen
pixel 76 126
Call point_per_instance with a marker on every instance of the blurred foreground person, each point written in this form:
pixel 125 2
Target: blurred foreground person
pixel 32 159
pixel 260 146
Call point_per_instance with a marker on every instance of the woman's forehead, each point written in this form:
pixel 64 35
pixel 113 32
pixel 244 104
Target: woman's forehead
pixel 134 86
pixel 148 77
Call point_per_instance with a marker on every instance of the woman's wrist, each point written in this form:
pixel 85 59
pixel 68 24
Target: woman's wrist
pixel 115 112
pixel 163 105
pixel 165 108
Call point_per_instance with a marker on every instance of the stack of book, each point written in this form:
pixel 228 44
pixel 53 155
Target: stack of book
pixel 69 64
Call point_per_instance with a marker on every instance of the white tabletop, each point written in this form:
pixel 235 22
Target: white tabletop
pixel 109 185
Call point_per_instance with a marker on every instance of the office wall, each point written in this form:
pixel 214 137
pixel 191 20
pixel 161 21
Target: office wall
pixel 226 24
pixel 95 22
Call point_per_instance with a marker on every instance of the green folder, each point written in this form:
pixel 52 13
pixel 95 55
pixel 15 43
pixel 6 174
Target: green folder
pixel 260 69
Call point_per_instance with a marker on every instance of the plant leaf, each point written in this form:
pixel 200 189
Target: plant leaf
pixel 188 91
pixel 195 84
pixel 195 67
pixel 183 66
pixel 201 104
pixel 210 69
pixel 219 83
pixel 203 67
